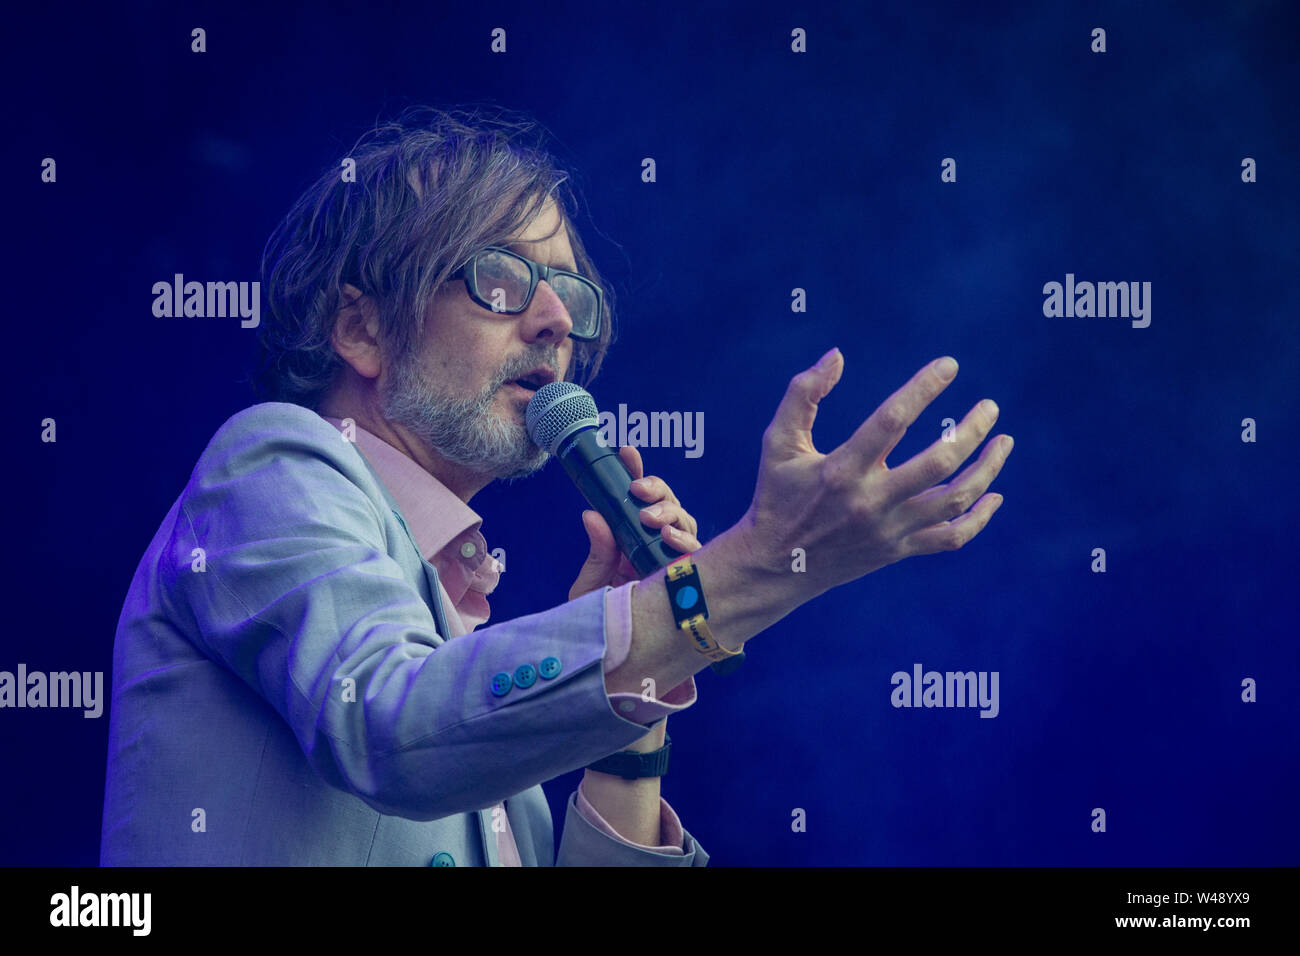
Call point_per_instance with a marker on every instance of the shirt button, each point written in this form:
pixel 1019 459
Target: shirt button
pixel 549 667
pixel 469 549
pixel 627 706
pixel 501 684
pixel 443 859
pixel 525 675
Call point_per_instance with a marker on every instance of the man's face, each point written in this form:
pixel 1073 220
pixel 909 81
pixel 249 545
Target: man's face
pixel 455 390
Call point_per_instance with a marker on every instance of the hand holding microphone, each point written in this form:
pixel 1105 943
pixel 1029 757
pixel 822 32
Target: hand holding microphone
pixel 562 419
pixel 606 564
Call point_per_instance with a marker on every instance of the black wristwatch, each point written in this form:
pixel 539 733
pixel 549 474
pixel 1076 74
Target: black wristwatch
pixel 631 765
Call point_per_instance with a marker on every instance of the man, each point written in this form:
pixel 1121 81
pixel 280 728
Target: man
pixel 283 689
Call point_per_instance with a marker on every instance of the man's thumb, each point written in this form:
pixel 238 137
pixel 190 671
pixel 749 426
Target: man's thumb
pixel 798 409
pixel 603 549
pixel 600 563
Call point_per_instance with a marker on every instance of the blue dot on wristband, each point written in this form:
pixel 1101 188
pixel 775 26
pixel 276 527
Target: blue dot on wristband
pixel 687 597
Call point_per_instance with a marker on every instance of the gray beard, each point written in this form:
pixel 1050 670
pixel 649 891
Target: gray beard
pixel 465 432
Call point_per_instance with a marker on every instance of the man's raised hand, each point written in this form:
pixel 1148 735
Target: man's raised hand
pixel 849 512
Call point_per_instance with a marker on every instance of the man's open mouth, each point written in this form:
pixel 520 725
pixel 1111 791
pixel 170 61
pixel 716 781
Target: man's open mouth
pixel 533 381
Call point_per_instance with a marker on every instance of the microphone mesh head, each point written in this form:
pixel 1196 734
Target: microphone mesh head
pixel 556 410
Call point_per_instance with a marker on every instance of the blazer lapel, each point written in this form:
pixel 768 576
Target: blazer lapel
pixel 489 838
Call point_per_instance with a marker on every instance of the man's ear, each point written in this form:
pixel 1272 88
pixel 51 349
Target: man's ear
pixel 356 332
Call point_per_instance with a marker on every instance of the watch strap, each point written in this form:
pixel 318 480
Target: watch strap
pixel 631 765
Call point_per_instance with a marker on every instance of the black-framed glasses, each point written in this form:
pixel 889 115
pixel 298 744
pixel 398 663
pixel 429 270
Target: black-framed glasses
pixel 505 281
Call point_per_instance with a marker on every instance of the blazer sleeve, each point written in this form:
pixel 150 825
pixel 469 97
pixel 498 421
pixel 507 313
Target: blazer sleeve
pixel 300 594
pixel 585 844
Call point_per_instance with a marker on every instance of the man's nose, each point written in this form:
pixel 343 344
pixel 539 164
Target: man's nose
pixel 546 317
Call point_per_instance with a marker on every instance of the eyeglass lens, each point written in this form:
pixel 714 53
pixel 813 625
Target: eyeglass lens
pixel 503 280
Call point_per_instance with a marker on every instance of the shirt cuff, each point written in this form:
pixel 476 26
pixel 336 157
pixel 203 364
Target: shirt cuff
pixel 618 643
pixel 670 826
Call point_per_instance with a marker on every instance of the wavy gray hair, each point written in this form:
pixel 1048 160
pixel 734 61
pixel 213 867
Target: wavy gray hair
pixel 431 188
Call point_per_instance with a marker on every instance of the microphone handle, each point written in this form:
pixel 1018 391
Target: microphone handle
pixel 606 483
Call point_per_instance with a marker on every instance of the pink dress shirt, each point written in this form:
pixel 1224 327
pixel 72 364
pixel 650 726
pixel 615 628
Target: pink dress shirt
pixel 446 530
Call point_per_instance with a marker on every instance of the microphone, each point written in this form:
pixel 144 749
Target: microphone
pixel 562 419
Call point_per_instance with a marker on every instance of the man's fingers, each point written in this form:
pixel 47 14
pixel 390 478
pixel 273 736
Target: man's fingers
pixel 791 428
pixel 632 458
pixel 652 488
pixel 669 513
pixel 876 437
pixel 951 535
pixel 946 502
pixel 683 542
pixel 942 458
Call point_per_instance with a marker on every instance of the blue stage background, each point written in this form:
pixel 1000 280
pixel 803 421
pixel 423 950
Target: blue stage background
pixel 776 170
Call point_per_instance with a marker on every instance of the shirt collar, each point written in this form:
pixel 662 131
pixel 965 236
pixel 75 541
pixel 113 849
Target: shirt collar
pixel 434 514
